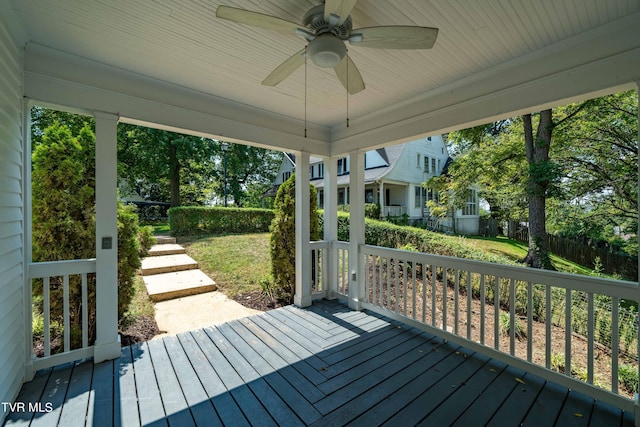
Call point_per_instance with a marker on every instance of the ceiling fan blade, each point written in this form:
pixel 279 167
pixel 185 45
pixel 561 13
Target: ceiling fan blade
pixel 285 69
pixel 340 8
pixel 349 75
pixel 256 19
pixel 394 37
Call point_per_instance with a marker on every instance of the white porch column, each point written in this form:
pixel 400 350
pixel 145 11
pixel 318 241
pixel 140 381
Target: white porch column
pixel 356 230
pixel 331 221
pixel 381 199
pixel 107 344
pixel 302 297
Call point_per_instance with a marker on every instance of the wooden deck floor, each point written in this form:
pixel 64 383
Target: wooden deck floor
pixel 324 365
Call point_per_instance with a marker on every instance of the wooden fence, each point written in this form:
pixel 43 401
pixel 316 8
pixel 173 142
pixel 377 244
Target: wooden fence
pixel 585 252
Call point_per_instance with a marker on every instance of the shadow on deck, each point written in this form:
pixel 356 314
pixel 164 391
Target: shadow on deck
pixel 325 365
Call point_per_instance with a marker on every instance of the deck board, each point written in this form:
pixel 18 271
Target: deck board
pixel 325 365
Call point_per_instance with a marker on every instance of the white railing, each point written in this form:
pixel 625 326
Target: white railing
pixel 556 325
pixel 393 211
pixel 329 269
pixel 58 280
pixel 319 268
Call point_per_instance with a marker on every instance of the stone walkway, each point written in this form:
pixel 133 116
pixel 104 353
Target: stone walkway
pixel 184 297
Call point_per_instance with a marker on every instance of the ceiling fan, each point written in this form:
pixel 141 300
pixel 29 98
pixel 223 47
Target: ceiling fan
pixel 326 27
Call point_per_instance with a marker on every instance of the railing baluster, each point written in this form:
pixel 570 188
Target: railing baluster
pixel 529 321
pixel 548 326
pixel 444 297
pixel 66 322
pixel 46 283
pixel 496 312
pixel 434 274
pixel 388 292
pixel 469 303
pixel 567 333
pixel 85 312
pixel 483 302
pixel 414 283
pixel 424 293
pixel 456 295
pixel 405 279
pixel 615 342
pixel 512 317
pixel 590 337
pixel 396 281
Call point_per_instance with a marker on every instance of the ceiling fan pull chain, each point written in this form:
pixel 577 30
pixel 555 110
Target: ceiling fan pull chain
pixel 347 89
pixel 305 92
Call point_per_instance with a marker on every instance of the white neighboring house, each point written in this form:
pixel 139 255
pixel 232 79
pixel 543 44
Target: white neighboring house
pixel 393 179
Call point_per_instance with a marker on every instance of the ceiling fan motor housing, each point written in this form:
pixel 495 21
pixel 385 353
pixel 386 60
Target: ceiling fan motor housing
pixel 327 49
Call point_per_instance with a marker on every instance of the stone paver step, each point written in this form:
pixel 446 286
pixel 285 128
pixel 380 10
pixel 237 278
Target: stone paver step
pixel 163 240
pixel 166 249
pixel 167 263
pixel 166 286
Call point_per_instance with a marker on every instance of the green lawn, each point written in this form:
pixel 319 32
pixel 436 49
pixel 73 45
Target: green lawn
pixel 237 262
pixel 516 251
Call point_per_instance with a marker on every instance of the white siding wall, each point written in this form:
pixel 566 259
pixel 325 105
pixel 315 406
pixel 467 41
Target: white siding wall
pixel 12 355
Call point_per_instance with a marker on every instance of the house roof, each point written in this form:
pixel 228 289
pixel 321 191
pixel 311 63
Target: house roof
pixel 175 65
pixel 391 155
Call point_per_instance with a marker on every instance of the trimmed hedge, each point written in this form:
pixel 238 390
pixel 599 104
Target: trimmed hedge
pixel 185 220
pixel 388 235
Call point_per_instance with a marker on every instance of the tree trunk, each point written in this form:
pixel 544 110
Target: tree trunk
pixel 537 151
pixel 174 175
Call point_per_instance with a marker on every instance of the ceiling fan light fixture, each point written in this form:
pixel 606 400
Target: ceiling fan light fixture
pixel 326 50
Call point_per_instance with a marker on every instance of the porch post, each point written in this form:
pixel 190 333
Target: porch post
pixel 331 221
pixel 381 199
pixel 302 297
pixel 107 344
pixel 356 230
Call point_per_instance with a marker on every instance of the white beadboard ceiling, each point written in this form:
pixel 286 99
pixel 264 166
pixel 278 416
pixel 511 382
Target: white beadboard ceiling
pixel 183 43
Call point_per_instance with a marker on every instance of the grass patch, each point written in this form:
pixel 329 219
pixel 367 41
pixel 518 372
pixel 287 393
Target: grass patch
pixel 159 227
pixel 516 251
pixel 237 262
pixel 140 306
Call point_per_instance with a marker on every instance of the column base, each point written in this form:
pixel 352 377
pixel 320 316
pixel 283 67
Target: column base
pixel 354 304
pixel 106 351
pixel 302 301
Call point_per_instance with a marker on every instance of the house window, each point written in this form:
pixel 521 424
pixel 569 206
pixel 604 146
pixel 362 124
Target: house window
pixel 433 166
pixel 368 195
pixel 439 165
pixel 321 170
pixel 311 172
pixel 321 199
pixel 429 138
pixel 471 207
pixel 418 160
pixel 286 176
pixel 342 166
pixel 426 164
pixel 417 203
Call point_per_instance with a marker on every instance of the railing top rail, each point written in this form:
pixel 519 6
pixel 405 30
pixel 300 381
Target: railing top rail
pixel 599 285
pixel 61 268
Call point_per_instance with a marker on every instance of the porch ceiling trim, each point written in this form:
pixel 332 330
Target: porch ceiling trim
pixel 58 78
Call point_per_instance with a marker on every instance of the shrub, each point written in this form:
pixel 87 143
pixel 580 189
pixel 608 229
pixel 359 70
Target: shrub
pixel 372 210
pixel 64 225
pixel 628 377
pixel 185 220
pixel 283 237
